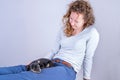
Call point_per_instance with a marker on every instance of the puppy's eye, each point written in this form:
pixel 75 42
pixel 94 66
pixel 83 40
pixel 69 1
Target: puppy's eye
pixel 41 66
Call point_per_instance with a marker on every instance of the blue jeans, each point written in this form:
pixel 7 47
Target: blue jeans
pixel 59 72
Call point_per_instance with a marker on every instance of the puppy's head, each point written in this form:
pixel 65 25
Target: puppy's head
pixel 39 64
pixel 35 67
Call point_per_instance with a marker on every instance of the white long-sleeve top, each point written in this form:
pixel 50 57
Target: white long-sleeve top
pixel 77 50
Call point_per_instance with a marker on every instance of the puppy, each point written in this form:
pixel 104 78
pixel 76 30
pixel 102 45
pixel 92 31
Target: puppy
pixel 39 64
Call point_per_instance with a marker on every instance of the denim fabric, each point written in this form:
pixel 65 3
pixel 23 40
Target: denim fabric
pixel 59 72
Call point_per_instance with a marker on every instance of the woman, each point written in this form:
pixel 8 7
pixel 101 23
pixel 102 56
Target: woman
pixel 75 45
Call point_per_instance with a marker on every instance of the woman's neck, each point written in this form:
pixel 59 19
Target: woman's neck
pixel 77 31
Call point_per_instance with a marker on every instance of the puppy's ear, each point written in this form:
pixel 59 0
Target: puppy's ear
pixel 27 67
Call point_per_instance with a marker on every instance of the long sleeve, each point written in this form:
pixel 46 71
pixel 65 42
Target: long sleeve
pixel 56 47
pixel 90 50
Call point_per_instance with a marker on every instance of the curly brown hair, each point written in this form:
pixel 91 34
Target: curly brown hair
pixel 82 7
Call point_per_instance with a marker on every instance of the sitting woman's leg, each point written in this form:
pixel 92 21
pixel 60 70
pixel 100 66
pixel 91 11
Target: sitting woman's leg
pixel 12 69
pixel 59 72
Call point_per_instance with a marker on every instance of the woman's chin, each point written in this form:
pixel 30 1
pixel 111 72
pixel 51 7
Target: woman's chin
pixel 74 28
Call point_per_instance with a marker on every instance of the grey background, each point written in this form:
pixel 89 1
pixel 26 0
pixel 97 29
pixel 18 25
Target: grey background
pixel 28 29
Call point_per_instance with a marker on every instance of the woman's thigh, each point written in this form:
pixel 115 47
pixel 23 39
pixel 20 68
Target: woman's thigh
pixel 53 73
pixel 12 69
